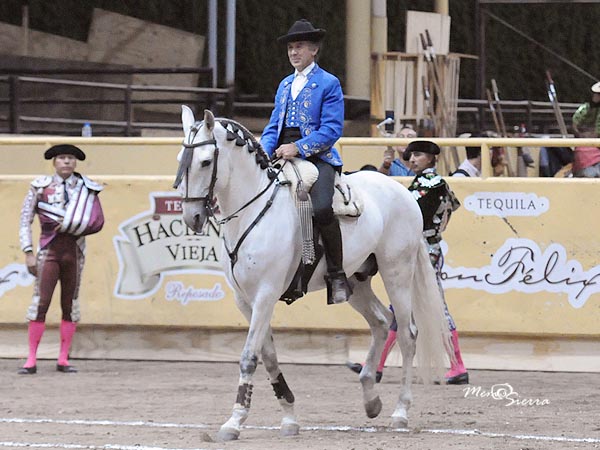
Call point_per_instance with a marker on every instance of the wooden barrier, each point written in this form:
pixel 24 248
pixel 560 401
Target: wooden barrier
pixel 398 86
pixel 520 267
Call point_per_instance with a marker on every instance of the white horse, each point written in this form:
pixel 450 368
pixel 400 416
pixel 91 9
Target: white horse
pixel 262 251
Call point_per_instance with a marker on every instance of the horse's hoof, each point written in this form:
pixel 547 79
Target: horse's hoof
pixel 373 407
pixel 228 434
pixel 290 429
pixel 399 422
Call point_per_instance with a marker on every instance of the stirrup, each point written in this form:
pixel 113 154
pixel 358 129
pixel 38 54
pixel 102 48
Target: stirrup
pixel 339 288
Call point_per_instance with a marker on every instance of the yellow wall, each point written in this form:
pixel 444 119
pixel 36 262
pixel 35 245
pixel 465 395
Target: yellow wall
pixel 553 220
pixel 114 156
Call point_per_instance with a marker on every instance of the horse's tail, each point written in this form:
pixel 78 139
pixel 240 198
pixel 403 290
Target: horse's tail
pixel 433 337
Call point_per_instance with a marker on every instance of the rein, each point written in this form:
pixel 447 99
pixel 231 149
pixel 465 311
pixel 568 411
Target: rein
pixel 256 197
pixel 233 254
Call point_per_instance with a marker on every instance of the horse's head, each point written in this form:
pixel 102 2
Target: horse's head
pixel 207 161
pixel 197 172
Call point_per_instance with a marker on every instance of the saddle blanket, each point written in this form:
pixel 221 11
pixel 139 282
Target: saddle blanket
pixel 347 200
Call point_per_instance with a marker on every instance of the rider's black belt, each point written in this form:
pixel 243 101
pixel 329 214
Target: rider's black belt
pixel 290 134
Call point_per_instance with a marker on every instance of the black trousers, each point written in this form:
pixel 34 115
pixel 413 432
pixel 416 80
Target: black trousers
pixel 321 193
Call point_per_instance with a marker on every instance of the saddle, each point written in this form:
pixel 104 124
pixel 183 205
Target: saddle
pixel 347 200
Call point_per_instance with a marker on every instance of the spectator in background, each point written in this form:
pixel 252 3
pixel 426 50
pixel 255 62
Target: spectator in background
pixel 587 115
pixel 437 203
pixel 398 167
pixel 471 166
pixel 370 167
pixel 586 159
pixel 524 158
pixel 554 160
pixel 498 157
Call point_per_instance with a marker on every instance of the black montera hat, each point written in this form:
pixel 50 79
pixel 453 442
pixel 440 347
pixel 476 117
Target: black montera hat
pixel 64 149
pixel 302 30
pixel 422 146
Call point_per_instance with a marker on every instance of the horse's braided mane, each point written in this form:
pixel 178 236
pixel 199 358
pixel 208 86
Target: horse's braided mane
pixel 248 138
pixel 232 127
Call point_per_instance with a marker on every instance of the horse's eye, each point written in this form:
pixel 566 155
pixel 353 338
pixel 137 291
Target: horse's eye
pixel 206 163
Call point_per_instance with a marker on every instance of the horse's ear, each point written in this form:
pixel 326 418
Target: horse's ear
pixel 209 119
pixel 187 118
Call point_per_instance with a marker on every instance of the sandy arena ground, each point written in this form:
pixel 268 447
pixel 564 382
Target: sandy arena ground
pixel 143 405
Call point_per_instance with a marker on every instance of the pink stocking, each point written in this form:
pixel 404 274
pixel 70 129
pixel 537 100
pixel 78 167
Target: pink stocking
pixel 389 343
pixel 67 330
pixel 456 367
pixel 36 330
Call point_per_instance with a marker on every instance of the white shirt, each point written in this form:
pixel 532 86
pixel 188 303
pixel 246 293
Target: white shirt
pixel 468 167
pixel 300 80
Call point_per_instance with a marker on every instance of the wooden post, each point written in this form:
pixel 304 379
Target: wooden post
pixel 25 30
pixel 15 101
pixel 229 98
pixel 486 162
pixel 358 46
pixel 555 105
pixel 128 111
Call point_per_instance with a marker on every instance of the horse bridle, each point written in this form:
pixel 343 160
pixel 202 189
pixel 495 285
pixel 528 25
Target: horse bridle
pixel 208 198
pixel 186 160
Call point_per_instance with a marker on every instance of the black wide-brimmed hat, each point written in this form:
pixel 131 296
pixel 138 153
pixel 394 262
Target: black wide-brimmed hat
pixel 64 149
pixel 302 30
pixel 423 147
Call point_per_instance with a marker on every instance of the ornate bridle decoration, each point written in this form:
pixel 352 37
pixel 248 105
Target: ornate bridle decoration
pixel 233 130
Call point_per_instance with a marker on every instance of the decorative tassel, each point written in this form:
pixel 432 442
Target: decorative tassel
pixel 304 206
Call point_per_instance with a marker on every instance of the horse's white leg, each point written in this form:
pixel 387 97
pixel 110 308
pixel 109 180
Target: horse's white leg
pixel 289 424
pixel 378 317
pixel 262 311
pixel 406 337
pixel 398 283
pixel 230 430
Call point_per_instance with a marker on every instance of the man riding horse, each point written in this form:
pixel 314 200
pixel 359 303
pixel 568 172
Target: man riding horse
pixel 307 120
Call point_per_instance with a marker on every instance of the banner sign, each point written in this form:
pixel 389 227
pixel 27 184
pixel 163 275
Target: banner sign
pixel 520 257
pixel 14 275
pixel 157 242
pixel 520 265
pixel 505 204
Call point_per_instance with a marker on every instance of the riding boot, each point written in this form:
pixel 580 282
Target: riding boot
pixel 338 287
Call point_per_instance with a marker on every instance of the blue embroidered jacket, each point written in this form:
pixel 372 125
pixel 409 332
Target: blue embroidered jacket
pixel 318 111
